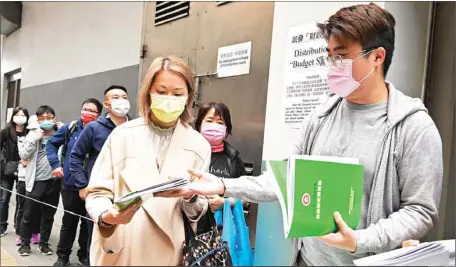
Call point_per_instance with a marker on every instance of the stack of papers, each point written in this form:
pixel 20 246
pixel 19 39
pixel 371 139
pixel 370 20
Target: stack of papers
pixel 450 245
pixel 134 197
pixel 425 254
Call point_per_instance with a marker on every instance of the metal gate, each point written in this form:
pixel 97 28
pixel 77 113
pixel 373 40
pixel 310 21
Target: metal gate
pixel 195 31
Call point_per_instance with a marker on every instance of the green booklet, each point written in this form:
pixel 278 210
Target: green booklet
pixel 311 188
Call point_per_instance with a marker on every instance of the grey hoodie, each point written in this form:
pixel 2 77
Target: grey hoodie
pixel 28 150
pixel 407 180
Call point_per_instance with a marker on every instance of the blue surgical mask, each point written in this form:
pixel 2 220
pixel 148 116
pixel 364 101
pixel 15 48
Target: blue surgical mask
pixel 47 125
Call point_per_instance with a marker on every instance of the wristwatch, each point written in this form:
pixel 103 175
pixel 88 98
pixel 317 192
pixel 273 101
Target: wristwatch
pixel 100 221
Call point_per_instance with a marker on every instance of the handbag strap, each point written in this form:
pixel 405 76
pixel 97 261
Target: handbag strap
pixel 210 217
pixel 189 233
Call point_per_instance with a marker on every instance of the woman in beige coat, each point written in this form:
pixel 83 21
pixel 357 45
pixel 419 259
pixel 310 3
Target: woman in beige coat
pixel 138 154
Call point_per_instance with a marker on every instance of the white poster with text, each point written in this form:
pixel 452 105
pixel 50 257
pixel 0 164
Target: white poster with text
pixel 305 74
pixel 234 60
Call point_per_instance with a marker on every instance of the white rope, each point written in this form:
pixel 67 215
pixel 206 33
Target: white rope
pixel 44 203
pixel 72 213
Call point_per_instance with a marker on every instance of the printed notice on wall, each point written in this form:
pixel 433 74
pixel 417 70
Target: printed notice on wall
pixel 234 60
pixel 305 75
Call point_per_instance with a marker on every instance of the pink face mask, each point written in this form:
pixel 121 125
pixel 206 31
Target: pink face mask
pixel 214 133
pixel 340 78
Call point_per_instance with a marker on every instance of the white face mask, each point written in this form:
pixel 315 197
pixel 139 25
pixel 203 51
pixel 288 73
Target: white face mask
pixel 120 107
pixel 19 120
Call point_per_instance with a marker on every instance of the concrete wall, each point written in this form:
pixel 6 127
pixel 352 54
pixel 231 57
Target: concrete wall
pixel 66 96
pixel 62 41
pixel 441 101
pixel 408 68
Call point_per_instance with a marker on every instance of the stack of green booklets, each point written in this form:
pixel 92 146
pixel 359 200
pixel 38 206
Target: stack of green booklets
pixel 311 188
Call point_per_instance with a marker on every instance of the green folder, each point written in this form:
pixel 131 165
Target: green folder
pixel 311 188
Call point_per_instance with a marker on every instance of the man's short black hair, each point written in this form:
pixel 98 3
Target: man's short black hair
pixel 220 110
pixel 369 25
pixel 112 87
pixel 95 102
pixel 44 109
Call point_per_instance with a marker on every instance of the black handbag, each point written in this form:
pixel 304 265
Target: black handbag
pixel 11 169
pixel 207 248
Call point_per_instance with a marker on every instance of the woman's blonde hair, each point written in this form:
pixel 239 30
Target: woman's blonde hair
pixel 169 63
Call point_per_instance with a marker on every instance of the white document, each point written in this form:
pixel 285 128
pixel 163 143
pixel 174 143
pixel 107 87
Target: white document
pixel 133 197
pixel 424 254
pixel 234 60
pixel 305 76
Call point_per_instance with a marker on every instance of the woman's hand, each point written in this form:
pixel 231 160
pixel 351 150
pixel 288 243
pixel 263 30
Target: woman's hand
pixel 24 162
pixel 114 216
pixel 216 202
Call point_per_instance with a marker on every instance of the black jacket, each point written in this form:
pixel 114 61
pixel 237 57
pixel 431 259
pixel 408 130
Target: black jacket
pixel 8 144
pixel 236 168
pixel 235 163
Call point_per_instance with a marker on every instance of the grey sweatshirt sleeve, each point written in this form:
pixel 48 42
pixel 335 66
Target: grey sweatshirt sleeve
pixel 249 188
pixel 28 146
pixel 420 172
pixel 259 189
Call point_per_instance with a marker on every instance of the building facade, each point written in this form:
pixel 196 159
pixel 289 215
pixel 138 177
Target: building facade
pixel 65 52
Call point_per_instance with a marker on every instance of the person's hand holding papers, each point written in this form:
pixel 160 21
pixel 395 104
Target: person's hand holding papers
pixel 114 216
pixel 205 184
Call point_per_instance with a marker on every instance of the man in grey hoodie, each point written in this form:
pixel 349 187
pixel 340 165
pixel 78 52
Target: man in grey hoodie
pixel 367 118
pixel 40 183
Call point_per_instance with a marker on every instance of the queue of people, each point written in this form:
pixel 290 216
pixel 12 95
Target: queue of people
pixel 59 160
pixel 106 156
pixel 66 138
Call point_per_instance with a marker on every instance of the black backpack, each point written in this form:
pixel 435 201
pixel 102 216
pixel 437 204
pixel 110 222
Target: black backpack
pixel 69 132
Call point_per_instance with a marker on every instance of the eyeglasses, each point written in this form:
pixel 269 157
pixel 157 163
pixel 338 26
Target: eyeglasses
pixel 336 60
pixel 89 110
pixel 44 119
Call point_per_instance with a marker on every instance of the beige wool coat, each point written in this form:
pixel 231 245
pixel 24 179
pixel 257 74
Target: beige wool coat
pixel 126 163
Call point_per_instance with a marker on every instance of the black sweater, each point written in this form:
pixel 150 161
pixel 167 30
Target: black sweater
pixel 227 164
